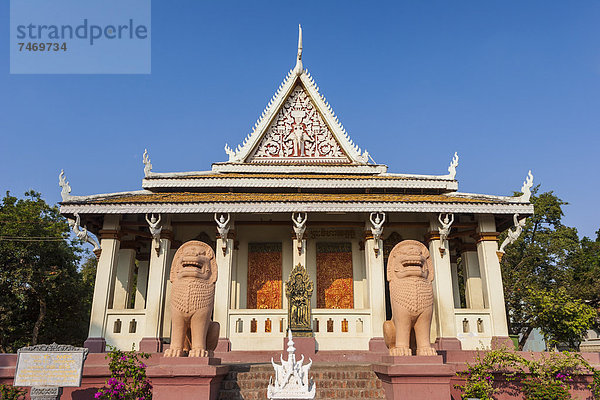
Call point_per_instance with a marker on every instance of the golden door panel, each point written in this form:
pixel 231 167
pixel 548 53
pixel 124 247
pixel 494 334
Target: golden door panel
pixel 335 288
pixel 264 275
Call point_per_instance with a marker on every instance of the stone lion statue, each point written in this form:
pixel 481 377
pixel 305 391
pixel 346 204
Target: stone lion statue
pixel 193 275
pixel 409 272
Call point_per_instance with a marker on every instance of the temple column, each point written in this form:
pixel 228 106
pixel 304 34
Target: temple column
pixel 376 281
pixel 224 255
pixel 109 241
pixel 491 276
pixel 472 277
pixel 123 283
pixel 443 297
pixel 156 291
pixel 142 283
pixel 455 286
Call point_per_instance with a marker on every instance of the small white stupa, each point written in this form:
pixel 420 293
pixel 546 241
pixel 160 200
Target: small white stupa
pixel 291 377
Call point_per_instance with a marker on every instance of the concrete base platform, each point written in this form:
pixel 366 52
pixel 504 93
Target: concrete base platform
pixel 415 377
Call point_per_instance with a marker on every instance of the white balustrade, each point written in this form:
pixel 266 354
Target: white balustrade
pixel 340 329
pixel 474 328
pixel 124 328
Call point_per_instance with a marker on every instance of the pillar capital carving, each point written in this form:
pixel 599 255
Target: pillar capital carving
pixel 110 234
pixel 486 237
pixel 166 234
pixel 433 235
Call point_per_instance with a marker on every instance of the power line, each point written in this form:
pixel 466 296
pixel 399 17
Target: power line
pixel 31 239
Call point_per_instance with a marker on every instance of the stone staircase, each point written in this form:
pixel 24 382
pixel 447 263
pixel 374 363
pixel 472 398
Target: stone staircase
pixel 334 381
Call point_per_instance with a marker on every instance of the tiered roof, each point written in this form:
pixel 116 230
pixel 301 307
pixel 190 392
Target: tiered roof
pixel 298 158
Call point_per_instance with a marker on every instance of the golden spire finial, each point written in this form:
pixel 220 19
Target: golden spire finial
pixel 298 68
pixel 299 42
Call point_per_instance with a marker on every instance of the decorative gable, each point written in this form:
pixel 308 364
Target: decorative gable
pixel 298 134
pixel 297 127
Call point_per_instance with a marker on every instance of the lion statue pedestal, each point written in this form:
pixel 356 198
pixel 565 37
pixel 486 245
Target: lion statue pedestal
pixel 409 272
pixel 193 275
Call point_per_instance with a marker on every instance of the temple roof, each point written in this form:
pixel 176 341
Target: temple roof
pixel 298 157
pixel 187 202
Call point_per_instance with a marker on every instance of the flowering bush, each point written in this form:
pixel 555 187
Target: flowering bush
pixel 479 382
pixel 128 380
pixel 552 376
pixel 8 392
pixel 548 378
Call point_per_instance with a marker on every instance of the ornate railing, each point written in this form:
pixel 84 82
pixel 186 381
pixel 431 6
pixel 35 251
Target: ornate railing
pixel 338 329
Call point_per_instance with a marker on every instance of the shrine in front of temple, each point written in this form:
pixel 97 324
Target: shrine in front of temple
pixel 296 192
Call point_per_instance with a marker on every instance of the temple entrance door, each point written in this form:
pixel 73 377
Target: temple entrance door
pixel 388 244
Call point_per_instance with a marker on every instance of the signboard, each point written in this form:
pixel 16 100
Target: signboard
pixel 50 365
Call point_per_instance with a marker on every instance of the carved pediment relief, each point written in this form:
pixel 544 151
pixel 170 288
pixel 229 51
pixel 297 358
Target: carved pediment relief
pixel 298 134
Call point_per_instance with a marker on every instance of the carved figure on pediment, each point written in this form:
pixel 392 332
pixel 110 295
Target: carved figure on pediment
pixel 298 290
pixel 410 272
pixel 193 275
pixel 298 131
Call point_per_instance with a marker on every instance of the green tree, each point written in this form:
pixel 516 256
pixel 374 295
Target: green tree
pixel 42 293
pixel 547 257
pixel 584 282
pixel 561 318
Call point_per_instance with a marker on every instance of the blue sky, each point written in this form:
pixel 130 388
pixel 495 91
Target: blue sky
pixel 511 86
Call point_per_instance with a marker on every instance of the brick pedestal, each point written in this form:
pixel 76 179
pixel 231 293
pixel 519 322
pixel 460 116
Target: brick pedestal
pixel 186 378
pixel 415 377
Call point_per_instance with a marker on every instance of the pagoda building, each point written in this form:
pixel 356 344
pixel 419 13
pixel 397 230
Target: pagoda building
pixel 296 191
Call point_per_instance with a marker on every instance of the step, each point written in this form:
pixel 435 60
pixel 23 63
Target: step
pixel 333 380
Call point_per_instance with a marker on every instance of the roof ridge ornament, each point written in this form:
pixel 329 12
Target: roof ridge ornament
pixel 147 164
pixel 65 193
pixel 452 167
pixel 298 69
pixel 526 188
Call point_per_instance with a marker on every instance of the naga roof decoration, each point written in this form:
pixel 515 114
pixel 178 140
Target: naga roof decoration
pixel 298 126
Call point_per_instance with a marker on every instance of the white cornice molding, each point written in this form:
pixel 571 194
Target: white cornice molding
pixel 76 199
pixel 508 199
pixel 288 207
pixel 318 183
pixel 295 169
